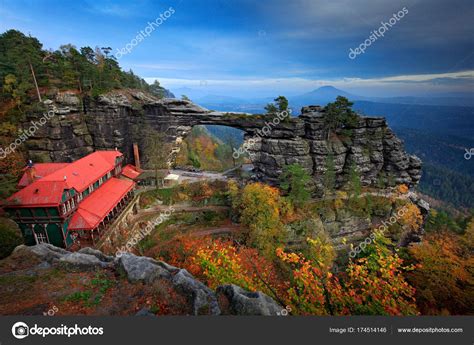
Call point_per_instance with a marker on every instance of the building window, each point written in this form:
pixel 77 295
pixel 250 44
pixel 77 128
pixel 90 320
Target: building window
pixel 73 203
pixel 91 188
pixel 68 206
pixel 41 238
pixel 64 208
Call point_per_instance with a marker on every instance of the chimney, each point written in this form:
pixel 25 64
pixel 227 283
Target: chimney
pixel 31 173
pixel 136 155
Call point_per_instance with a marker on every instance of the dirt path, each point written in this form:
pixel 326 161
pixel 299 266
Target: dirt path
pixel 217 231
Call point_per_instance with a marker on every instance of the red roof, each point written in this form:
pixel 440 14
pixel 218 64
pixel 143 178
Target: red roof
pixel 39 194
pixel 93 209
pixel 41 170
pixel 79 175
pixel 131 171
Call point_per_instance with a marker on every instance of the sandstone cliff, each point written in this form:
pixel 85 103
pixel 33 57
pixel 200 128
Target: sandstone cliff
pixel 118 119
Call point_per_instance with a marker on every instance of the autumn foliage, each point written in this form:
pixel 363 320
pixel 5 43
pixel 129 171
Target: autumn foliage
pixel 223 262
pixel 262 210
pixel 445 274
pixel 372 285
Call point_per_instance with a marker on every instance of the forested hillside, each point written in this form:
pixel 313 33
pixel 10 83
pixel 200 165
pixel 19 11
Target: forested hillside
pixel 204 150
pixel 29 73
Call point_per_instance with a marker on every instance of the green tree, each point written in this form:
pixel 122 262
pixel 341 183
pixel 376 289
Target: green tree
pixel 295 181
pixel 156 89
pixel 10 237
pixel 282 103
pixel 355 183
pixel 157 151
pixel 339 114
pixel 329 177
pixel 261 207
pixel 271 109
pixel 278 105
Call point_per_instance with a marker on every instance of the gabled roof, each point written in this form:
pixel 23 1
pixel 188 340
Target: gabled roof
pixel 93 209
pixel 131 171
pixel 81 173
pixel 39 193
pixel 48 190
pixel 41 170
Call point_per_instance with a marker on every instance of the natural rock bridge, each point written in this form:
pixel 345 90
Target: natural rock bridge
pixel 119 120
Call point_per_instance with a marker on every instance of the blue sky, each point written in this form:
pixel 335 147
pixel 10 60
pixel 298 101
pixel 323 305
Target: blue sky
pixel 261 48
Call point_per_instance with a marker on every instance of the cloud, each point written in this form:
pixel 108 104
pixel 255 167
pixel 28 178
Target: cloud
pixel 420 83
pixel 428 20
pixel 120 9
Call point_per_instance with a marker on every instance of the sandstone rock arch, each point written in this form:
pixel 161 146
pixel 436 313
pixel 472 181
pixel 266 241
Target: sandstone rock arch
pixel 118 120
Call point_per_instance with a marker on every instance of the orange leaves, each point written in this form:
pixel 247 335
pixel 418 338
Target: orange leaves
pixel 443 278
pixel 403 189
pixel 224 263
pixel 306 294
pixel 292 258
pixel 373 286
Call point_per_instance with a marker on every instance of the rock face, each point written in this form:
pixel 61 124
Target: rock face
pixel 118 120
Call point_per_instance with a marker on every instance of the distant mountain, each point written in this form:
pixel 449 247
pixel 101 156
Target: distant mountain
pixel 321 96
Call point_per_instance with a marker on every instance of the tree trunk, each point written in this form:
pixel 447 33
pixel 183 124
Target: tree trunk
pixel 34 79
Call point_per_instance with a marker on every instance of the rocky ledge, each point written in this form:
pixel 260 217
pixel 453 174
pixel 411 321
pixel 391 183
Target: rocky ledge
pixel 131 282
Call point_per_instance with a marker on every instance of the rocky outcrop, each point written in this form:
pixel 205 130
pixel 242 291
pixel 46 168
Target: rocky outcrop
pixel 243 302
pixel 119 119
pixel 140 268
pixel 32 261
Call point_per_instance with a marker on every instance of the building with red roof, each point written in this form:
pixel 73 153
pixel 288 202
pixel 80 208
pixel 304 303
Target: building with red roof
pixel 131 172
pixel 61 201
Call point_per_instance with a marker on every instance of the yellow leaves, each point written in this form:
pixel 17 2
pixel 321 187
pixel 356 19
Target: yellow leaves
pixel 8 129
pixel 339 201
pixel 412 216
pixel 287 257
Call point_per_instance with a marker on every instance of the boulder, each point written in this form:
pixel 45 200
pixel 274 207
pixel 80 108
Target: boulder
pixel 82 261
pixel 142 268
pixel 243 302
pixel 203 299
